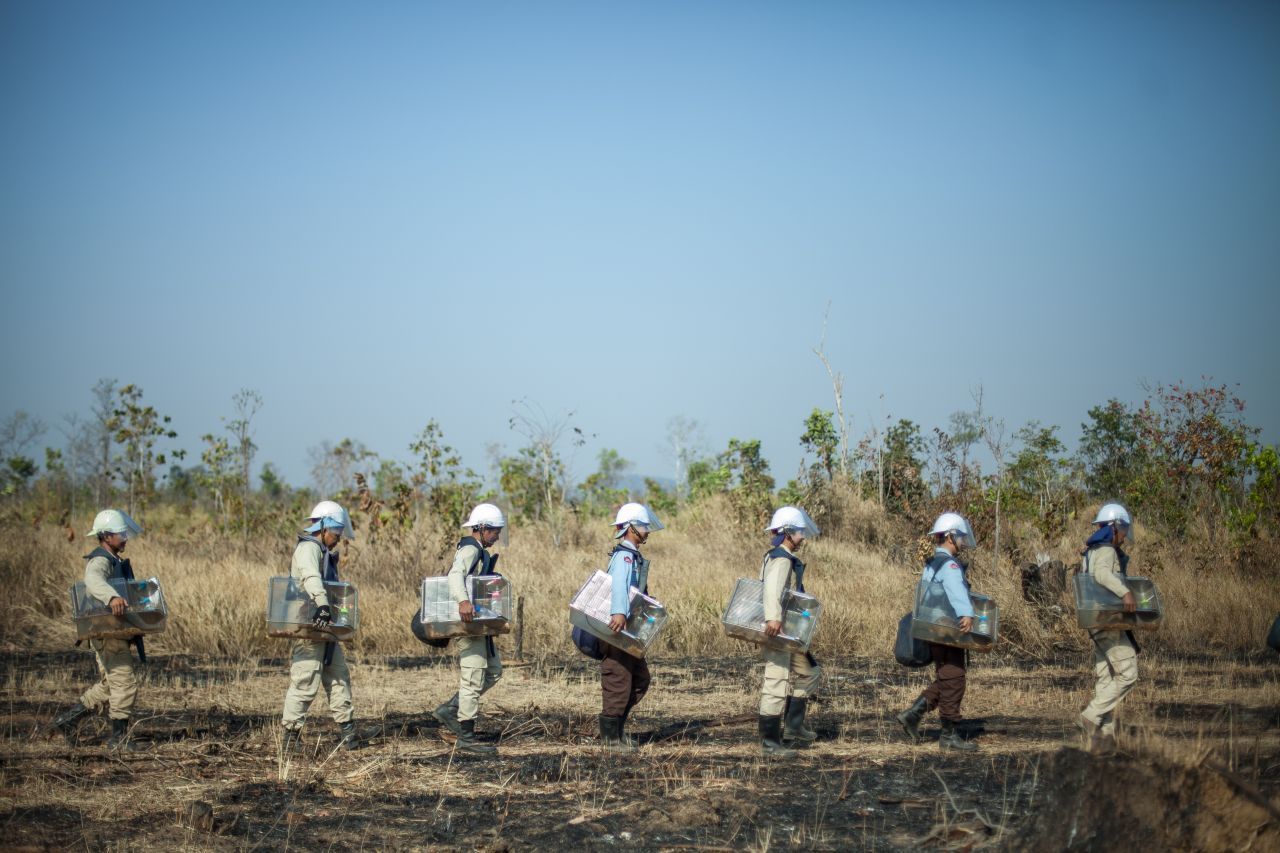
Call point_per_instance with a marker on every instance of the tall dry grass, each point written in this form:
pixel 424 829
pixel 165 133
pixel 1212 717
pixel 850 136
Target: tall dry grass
pixel 864 572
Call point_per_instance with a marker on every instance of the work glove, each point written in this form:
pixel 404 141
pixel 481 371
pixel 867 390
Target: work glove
pixel 323 618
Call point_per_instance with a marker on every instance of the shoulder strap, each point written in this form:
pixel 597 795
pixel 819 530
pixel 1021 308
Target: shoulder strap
pixel 792 562
pixel 102 552
pixel 480 552
pixel 936 564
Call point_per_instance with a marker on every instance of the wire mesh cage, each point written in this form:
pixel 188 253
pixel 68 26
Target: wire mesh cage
pixel 490 596
pixel 744 617
pixel 146 610
pixel 934 620
pixel 1099 609
pixel 291 612
pixel 590 610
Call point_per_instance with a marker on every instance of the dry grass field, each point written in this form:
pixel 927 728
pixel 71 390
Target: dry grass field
pixel 1199 748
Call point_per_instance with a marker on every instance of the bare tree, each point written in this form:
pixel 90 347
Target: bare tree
pixel 80 448
pixel 102 435
pixel 837 388
pixel 17 433
pixel 544 432
pixel 685 442
pixel 993 436
pixel 247 403
pixel 333 466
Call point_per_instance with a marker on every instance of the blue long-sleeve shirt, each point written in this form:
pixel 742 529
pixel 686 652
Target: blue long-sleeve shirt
pixel 951 576
pixel 624 569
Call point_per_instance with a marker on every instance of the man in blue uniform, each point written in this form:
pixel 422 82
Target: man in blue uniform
pixel 951 534
pixel 624 679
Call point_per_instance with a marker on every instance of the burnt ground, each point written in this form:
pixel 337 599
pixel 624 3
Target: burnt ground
pixel 210 774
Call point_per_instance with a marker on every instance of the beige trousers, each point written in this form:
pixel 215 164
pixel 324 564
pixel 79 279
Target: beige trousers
pixel 786 674
pixel 1115 665
pixel 118 686
pixel 307 675
pixel 478 672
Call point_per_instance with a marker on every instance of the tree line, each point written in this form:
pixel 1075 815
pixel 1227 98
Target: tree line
pixel 1185 460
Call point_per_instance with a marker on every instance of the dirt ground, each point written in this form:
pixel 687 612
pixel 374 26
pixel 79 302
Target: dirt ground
pixel 210 776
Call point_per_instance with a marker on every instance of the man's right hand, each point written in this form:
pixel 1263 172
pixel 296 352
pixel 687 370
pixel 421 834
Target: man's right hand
pixel 466 610
pixel 966 624
pixel 117 605
pixel 323 618
pixel 1130 603
pixel 772 629
pixel 617 622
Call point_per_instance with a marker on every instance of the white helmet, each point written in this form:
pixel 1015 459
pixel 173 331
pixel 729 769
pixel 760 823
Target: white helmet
pixel 114 521
pixel 954 523
pixel 792 517
pixel 486 515
pixel 334 511
pixel 1115 514
pixel 636 514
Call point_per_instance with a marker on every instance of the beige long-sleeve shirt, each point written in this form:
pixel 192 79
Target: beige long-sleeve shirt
pixel 1104 565
pixel 96 574
pixel 775 575
pixel 463 558
pixel 307 569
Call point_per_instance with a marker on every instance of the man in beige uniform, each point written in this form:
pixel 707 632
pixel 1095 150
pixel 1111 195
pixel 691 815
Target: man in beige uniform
pixel 118 686
pixel 1115 654
pixel 789 678
pixel 319 663
pixel 479 664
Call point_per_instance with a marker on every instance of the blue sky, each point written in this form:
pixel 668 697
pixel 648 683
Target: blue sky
pixel 377 214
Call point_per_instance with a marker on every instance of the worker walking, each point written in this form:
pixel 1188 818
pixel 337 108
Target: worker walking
pixel 951 534
pixel 1115 653
pixel 790 678
pixel 624 679
pixel 479 664
pixel 319 663
pixel 117 686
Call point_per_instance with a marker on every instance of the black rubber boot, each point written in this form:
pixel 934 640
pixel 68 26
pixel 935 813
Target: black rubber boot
pixel 911 718
pixel 66 721
pixel 611 736
pixel 119 739
pixel 467 740
pixel 350 740
pixel 950 738
pixel 447 714
pixel 622 731
pixel 794 728
pixel 771 738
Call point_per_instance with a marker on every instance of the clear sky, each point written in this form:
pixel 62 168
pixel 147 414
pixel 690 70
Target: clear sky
pixel 380 213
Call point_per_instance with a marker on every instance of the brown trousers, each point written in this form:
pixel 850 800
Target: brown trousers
pixel 623 681
pixel 947 690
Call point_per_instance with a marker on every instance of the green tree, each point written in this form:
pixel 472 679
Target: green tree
pixel 448 488
pixel 273 485
pixel 742 474
pixel 601 490
pixel 1042 478
pixel 1110 452
pixel 904 484
pixel 821 439
pixel 1197 442
pixel 137 428
pixel 18 433
pixel 219 476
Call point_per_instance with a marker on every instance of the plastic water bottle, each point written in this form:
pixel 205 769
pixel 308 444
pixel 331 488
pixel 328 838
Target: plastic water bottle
pixel 983 625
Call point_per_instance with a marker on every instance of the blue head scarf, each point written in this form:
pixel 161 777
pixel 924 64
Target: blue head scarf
pixel 1102 536
pixel 326 523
